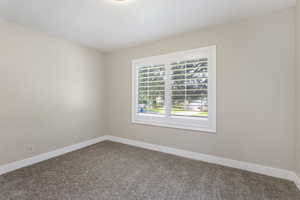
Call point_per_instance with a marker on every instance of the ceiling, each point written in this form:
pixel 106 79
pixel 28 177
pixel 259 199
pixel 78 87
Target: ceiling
pixel 108 25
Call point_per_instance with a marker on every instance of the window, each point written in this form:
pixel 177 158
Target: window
pixel 176 90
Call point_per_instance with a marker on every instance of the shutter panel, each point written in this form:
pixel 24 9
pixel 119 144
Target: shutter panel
pixel 189 83
pixel 151 89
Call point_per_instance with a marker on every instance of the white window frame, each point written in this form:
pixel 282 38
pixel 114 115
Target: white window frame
pixel 181 122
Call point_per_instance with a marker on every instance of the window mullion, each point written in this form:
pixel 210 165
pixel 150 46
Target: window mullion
pixel 168 90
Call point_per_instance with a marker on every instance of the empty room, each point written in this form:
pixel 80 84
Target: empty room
pixel 149 100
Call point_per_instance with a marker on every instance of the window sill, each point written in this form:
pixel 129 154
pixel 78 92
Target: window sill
pixel 192 128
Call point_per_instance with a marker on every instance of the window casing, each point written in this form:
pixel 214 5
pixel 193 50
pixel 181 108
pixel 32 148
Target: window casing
pixel 176 90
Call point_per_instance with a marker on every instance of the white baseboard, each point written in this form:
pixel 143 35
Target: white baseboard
pixel 297 180
pixel 45 156
pixel 278 173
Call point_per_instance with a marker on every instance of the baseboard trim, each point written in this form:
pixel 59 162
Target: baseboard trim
pixel 45 156
pixel 297 180
pixel 274 172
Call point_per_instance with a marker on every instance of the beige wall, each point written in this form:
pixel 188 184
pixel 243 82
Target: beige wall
pixel 51 93
pixel 256 91
pixel 298 90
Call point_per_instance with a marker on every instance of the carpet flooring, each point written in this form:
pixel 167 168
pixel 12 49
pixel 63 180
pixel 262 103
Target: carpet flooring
pixel 113 171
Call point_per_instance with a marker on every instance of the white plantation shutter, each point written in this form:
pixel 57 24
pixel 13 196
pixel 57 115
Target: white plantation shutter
pixel 176 90
pixel 151 89
pixel 189 83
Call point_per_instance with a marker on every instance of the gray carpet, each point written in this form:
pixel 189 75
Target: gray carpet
pixel 112 171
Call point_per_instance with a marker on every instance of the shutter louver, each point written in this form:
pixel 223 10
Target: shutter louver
pixel 151 89
pixel 189 81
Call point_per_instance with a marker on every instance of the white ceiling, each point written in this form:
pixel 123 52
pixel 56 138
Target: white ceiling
pixel 108 26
